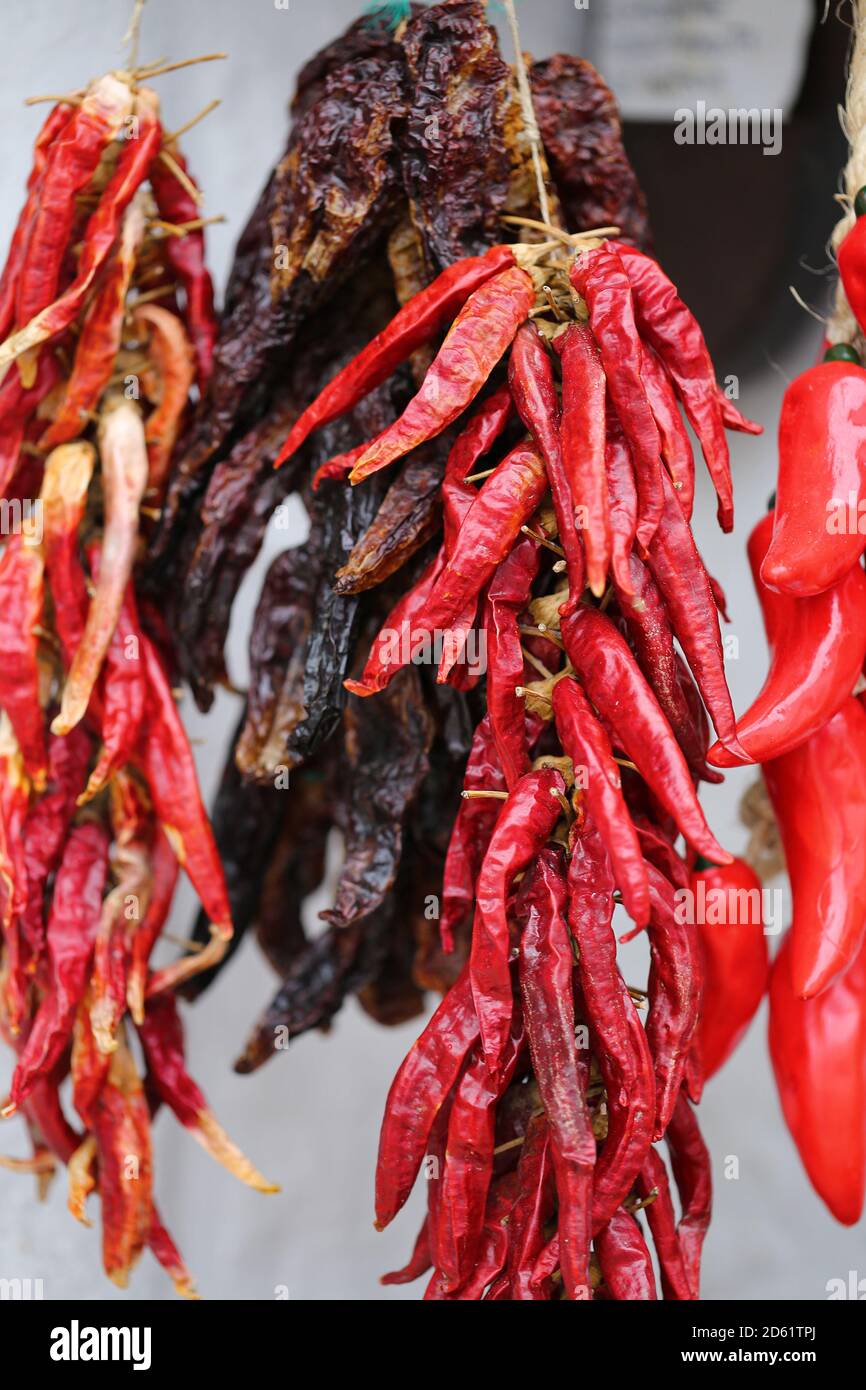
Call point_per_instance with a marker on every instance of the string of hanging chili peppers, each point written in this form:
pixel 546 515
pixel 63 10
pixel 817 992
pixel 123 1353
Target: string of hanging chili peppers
pixel 807 726
pixel 589 779
pixel 106 317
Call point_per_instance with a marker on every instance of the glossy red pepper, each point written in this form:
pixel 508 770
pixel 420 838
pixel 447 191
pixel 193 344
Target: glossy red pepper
pixel 527 819
pixel 817 648
pixel 818 1048
pixel 819 797
pixel 726 906
pixel 851 260
pixel 478 338
pixel 819 530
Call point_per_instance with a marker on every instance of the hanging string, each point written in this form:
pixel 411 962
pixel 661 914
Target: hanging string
pixel 528 109
pixel 842 326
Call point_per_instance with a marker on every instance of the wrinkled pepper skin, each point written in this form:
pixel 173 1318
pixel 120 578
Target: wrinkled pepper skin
pixel 819 796
pixel 727 907
pixel 818 1049
pixel 822 478
pixel 817 649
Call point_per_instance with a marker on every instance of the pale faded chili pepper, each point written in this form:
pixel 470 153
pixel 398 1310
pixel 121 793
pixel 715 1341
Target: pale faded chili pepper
pixel 123 455
pixel 168 380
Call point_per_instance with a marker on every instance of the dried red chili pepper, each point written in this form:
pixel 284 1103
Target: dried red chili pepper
pixel 727 910
pixel 163 1247
pixel 618 1036
pixel 468 1167
pixel 70 934
pixel 100 336
pixel 821 810
pixel 68 471
pixel 18 404
pixel 46 825
pixel 676 337
pixel 546 970
pixel 171 367
pixel 481 333
pixel 70 164
pixel 674 991
pixel 491 525
pixel 817 648
pixel 185 254
pixel 622 501
pixel 507 596
pixel 417 323
pixel 600 277
pixel 653 1182
pixel 818 1049
pixel 625 1261
pixel 690 1161
pixel 525 822
pixel 418 1093
pixel 161 1033
pixel 122 907
pixel 99 235
pixel 54 123
pixel 14 878
pixel 676 446
pixel 533 1206
pixel 646 620
pixel 471 833
pixel 583 434
pixel 679 572
pixel 121 1125
pixel 167 761
pixel 123 695
pixel 418 1263
pixel 530 377
pixel 597 778
pixel 21 596
pixel 614 682
pixel 821 479
pixel 164 872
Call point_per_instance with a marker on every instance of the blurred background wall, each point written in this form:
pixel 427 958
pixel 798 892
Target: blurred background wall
pixel 735 228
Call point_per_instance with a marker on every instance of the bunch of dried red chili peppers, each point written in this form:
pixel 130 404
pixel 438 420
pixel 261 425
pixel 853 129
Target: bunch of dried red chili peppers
pixel 106 317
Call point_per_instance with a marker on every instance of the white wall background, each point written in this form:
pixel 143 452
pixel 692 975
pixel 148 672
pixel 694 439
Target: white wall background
pixel 310 1118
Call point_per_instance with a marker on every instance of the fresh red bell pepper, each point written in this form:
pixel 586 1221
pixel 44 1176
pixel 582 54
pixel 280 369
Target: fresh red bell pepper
pixel 817 649
pixel 818 1047
pixel 819 795
pixel 822 481
pixel 727 911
